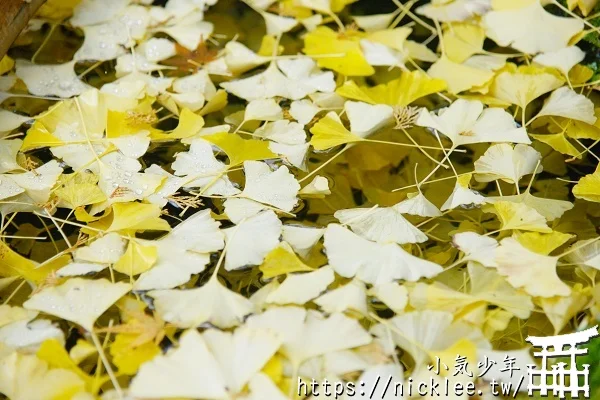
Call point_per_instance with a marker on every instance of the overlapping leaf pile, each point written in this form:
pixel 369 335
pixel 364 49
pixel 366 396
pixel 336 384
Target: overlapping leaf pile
pixel 209 200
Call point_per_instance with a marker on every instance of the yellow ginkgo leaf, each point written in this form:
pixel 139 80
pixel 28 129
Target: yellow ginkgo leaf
pixel 392 38
pixel 464 347
pixel 127 357
pixel 132 217
pixel 216 103
pixel 14 264
pixel 542 243
pixel 79 190
pixel 521 85
pixel 6 64
pixel 585 6
pixel 82 350
pixel 38 137
pixel 560 309
pixel 558 142
pixel 57 10
pixel 518 216
pixel 124 123
pixel 588 187
pixel 400 92
pixel 138 258
pixel 328 133
pixel 53 352
pixel 462 40
pixel 282 260
pixel 239 150
pixel 350 62
pixel 459 77
pixel 189 125
pixel 25 376
pixel 338 5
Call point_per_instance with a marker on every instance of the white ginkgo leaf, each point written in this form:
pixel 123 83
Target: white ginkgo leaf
pixel 282 131
pixel 278 25
pixel 133 146
pixel 304 111
pixel 534 273
pixel 298 79
pixel 322 6
pixel 9 121
pixel 309 334
pixel 392 294
pixel 192 100
pixel 530 29
pixel 585 252
pixel 241 354
pixel 28 335
pixel 262 387
pixel 422 333
pixel 199 82
pixel 462 196
pixel 456 10
pixel 78 300
pixel 351 296
pixel 80 268
pixel 382 225
pixel 373 23
pixel 8 153
pixel 277 188
pixel 189 32
pixel 302 287
pixel 294 154
pixel 117 171
pixel 93 12
pixel 239 209
pixel 317 188
pixel 302 238
pixel 39 182
pixel 105 250
pixel 175 374
pixel 366 118
pixel 128 63
pixel 201 168
pixel 199 233
pixel 240 59
pixel 378 54
pixel 417 204
pixel 173 267
pixel 103 42
pixel 50 80
pixel 220 306
pixel 479 248
pixel 508 163
pixel 157 49
pixel 350 255
pixel 170 185
pixel 183 252
pixel 563 59
pixel 466 122
pixel 262 230
pixel 9 188
pixel 565 102
pixel 263 110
